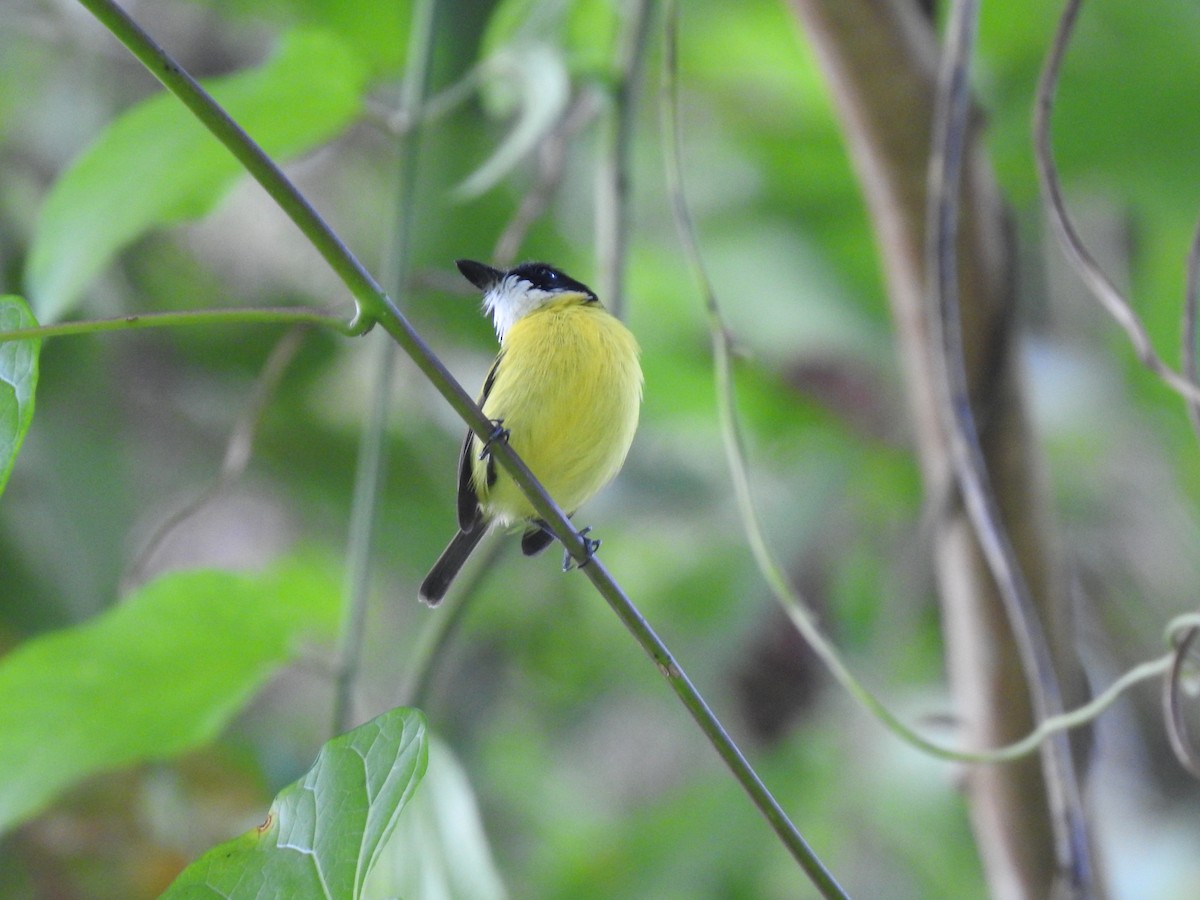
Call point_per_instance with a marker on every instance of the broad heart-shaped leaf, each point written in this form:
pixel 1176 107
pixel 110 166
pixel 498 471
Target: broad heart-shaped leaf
pixel 159 673
pixel 18 380
pixel 156 163
pixel 324 832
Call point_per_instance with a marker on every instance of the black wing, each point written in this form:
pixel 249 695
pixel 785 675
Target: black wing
pixel 469 512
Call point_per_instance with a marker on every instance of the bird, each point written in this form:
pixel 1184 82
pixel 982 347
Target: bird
pixel 565 392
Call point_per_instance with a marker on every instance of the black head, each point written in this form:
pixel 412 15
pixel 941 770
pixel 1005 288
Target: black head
pixel 547 278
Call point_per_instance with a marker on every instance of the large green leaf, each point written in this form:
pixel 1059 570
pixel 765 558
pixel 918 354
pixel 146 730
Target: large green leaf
pixel 325 832
pixel 156 164
pixel 18 380
pixel 440 848
pixel 162 672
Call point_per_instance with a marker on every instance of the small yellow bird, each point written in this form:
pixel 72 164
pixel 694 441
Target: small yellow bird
pixel 564 391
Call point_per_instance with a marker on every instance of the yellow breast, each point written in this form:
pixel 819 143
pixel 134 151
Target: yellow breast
pixel 568 388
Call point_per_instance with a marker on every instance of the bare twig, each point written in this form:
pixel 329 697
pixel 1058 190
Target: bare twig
pixel 614 215
pixel 1191 324
pixel 1077 252
pixel 400 120
pixel 880 59
pixel 820 876
pixel 1177 729
pixel 368 483
pixel 790 598
pixel 423 660
pixel 267 315
pixel 1068 817
pixel 552 160
pixel 238 450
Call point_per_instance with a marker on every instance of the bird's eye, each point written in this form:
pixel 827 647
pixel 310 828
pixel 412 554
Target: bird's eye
pixel 541 276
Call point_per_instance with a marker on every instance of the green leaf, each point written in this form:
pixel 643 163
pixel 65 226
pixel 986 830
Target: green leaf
pixel 18 380
pixel 156 164
pixel 376 32
pixel 325 832
pixel 590 36
pixel 440 848
pixel 160 673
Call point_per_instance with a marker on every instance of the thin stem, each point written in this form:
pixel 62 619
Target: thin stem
pixel 272 315
pixel 1177 730
pixel 238 450
pixel 1191 324
pixel 368 483
pixel 552 163
pixel 428 651
pixel 1067 815
pixel 816 871
pixel 711 726
pixel 613 206
pixel 369 477
pixel 1073 246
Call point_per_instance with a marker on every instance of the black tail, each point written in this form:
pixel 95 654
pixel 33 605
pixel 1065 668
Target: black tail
pixel 437 582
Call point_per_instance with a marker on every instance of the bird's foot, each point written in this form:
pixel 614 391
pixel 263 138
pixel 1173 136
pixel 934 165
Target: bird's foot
pixel 498 433
pixel 590 546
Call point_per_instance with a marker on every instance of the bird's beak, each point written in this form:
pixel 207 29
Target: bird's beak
pixel 479 274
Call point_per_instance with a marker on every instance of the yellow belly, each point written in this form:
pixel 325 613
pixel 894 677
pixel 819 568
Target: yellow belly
pixel 568 389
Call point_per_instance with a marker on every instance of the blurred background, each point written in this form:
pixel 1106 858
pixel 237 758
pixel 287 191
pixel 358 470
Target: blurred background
pixel 586 776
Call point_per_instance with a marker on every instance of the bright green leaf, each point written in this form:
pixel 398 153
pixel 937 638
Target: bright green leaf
pixel 325 832
pixel 18 380
pixel 156 164
pixel 159 673
pixel 440 848
pixel 376 32
pixel 590 36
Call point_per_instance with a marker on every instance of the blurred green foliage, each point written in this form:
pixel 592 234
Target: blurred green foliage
pixel 589 779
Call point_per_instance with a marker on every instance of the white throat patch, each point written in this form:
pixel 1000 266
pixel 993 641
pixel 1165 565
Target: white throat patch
pixel 511 299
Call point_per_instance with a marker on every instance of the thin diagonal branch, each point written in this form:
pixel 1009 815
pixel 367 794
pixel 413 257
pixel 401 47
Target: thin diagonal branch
pixel 238 450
